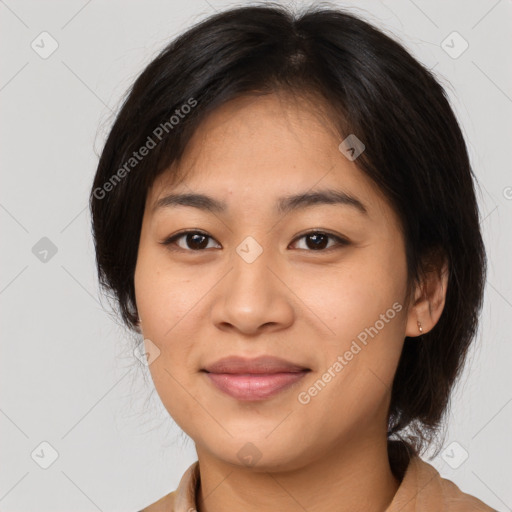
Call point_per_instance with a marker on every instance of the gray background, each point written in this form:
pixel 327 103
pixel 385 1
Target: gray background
pixel 68 374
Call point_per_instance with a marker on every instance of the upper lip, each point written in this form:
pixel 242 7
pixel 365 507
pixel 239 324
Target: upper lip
pixel 262 364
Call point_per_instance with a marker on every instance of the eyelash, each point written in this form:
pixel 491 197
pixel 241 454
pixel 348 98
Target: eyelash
pixel 172 239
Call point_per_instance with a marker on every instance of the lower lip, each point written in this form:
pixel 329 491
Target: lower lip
pixel 254 386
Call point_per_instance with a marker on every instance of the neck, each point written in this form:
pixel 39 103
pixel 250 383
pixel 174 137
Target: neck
pixel 348 478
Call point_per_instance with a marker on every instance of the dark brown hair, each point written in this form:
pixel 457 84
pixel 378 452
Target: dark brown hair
pixel 415 153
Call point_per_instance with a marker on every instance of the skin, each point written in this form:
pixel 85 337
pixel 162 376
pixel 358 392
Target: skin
pixel 296 302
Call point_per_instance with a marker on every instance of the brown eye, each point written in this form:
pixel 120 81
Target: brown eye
pixel 319 241
pixel 192 240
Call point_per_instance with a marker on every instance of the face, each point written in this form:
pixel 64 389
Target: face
pixel 319 283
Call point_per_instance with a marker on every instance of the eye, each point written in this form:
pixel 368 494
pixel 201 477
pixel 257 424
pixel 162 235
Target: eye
pixel 195 240
pixel 319 241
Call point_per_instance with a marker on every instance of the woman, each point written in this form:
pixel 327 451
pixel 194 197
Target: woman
pixel 285 211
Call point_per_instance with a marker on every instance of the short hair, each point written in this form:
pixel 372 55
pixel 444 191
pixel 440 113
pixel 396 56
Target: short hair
pixel 373 88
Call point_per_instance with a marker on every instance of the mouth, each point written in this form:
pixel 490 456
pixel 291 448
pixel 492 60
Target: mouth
pixel 254 379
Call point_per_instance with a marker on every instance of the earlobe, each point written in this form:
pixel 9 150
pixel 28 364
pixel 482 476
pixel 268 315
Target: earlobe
pixel 428 302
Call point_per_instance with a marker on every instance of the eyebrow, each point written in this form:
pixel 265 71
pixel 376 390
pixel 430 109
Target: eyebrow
pixel 284 204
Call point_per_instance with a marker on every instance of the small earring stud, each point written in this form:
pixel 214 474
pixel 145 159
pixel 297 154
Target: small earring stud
pixel 420 328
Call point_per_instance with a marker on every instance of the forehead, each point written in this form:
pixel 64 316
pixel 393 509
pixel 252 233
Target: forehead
pixel 253 149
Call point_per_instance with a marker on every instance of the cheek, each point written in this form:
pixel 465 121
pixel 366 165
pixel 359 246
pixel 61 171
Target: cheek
pixel 353 295
pixel 362 302
pixel 352 384
pixel 165 304
pixel 163 294
pixel 162 304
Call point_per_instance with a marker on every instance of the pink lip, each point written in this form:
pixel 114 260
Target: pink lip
pixel 254 386
pixel 254 379
pixel 262 364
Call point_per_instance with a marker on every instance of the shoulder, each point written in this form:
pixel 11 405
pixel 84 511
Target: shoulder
pixel 165 504
pixel 458 501
pixel 424 489
pixel 183 498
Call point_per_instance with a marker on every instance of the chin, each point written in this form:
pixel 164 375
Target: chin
pixel 260 452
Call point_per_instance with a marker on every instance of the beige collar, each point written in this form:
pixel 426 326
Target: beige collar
pixel 422 490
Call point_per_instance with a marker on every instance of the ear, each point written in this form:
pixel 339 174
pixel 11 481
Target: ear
pixel 428 299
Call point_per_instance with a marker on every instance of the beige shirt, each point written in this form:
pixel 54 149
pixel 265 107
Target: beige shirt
pixel 422 490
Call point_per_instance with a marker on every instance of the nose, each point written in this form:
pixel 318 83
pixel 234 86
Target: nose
pixel 253 297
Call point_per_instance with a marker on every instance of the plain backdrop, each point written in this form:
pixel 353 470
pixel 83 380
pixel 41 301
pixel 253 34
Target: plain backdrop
pixel 73 396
